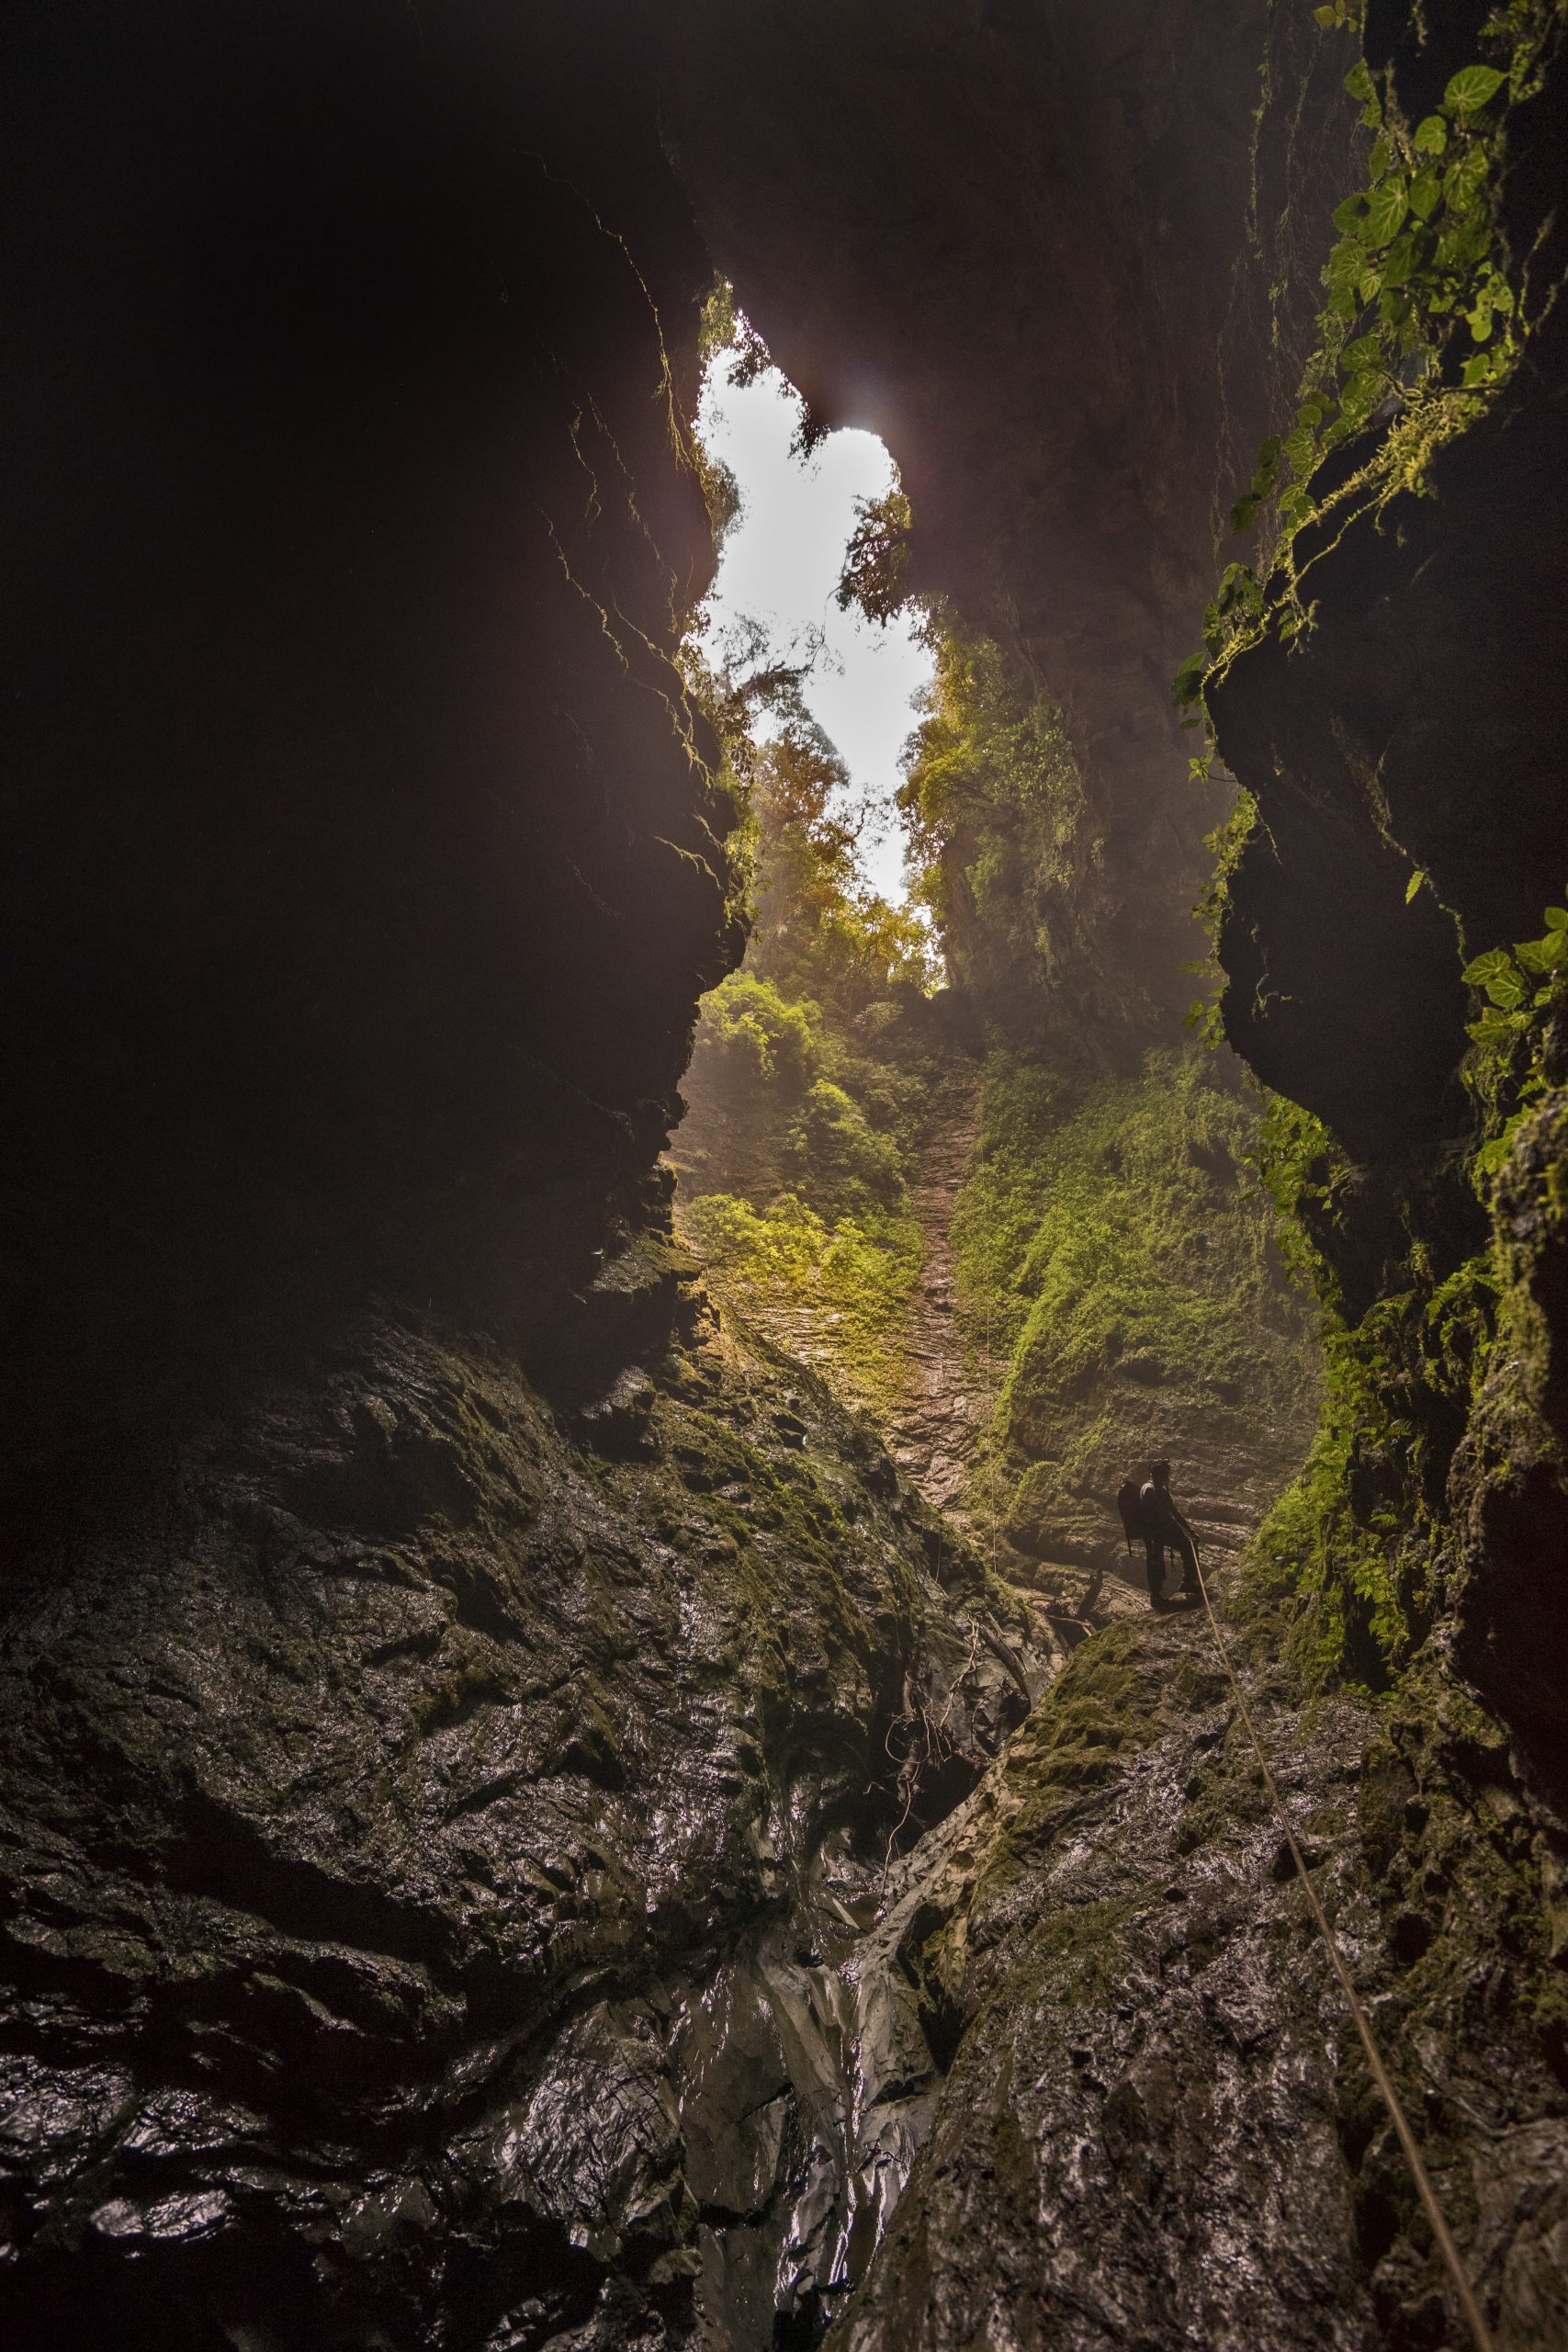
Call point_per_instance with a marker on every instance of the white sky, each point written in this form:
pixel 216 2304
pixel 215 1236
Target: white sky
pixel 780 565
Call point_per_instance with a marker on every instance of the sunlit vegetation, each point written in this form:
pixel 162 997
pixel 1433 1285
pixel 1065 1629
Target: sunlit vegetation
pixel 995 806
pixel 1426 316
pixel 1121 1288
pixel 1116 1238
pixel 813 1075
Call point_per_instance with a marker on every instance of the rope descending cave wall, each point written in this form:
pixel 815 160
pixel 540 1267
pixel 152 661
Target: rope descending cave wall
pixel 1463 2291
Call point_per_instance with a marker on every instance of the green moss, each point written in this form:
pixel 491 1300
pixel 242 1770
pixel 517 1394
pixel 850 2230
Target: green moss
pixel 1107 1700
pixel 1426 308
pixel 812 1077
pixel 1114 1241
pixel 851 1280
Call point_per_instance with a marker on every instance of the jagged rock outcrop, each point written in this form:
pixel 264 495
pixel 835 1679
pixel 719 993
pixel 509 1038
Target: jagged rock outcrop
pixel 429 1849
pixel 1417 729
pixel 1158 2127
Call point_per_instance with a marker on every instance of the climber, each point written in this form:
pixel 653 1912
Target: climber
pixel 1165 1528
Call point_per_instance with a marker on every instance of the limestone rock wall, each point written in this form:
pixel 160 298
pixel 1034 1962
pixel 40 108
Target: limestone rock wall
pixel 431 1847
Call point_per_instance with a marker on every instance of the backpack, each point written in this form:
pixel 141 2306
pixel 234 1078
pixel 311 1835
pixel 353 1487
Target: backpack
pixel 1130 1503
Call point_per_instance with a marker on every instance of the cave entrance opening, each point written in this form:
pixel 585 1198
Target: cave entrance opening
pixel 780 629
pixel 814 1064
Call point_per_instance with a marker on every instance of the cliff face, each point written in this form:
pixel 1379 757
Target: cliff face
pixel 1416 732
pixel 361 875
pixel 1065 262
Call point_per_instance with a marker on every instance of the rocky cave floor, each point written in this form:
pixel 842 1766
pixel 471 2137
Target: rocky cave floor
pixel 637 1878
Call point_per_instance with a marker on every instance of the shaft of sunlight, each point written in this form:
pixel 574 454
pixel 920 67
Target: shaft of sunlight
pixel 779 567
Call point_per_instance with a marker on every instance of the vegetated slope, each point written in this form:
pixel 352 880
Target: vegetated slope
pixel 819 1069
pixel 1113 1240
pixel 1120 1234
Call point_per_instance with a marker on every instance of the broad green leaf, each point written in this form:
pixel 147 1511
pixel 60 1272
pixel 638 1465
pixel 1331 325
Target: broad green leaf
pixel 1426 193
pixel 1532 955
pixel 1188 681
pixel 1311 413
pixel 1364 352
pixel 1482 968
pixel 1465 180
pixel 1553 949
pixel 1294 508
pixel 1380 159
pixel 1431 135
pixel 1386 208
pixel 1347 216
pixel 1300 450
pixel 1361 395
pixel 1470 88
pixel 1358 82
pixel 1557 918
pixel 1413 884
pixel 1402 260
pixel 1479 321
pixel 1506 990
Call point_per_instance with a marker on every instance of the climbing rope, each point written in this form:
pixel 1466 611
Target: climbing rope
pixel 1379 2073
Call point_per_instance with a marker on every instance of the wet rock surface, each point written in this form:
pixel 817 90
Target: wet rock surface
pixel 1157 2129
pixel 430 1849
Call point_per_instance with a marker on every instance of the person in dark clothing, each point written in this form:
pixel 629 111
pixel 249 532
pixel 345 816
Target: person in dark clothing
pixel 1165 1530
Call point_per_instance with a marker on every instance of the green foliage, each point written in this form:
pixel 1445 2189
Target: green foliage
pixel 1425 317
pixel 1504 1067
pixel 1353 1542
pixel 814 1066
pixel 876 563
pixel 819 931
pixel 996 810
pixel 838 1152
pixel 849 1278
pixel 759 1035
pixel 1224 846
pixel 1114 1242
